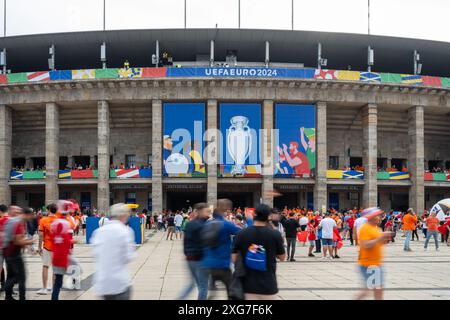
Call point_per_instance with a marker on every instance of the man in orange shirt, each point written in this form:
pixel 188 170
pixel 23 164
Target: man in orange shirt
pixel 409 224
pixel 432 230
pixel 371 243
pixel 45 245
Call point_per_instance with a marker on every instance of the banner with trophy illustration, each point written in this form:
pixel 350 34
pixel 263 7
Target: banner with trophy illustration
pixel 296 148
pixel 240 124
pixel 183 129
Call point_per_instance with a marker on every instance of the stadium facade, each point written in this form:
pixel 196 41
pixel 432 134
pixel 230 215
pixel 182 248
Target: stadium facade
pixel 103 135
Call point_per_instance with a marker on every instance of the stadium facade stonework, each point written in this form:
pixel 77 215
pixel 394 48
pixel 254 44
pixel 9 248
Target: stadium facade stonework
pixel 117 117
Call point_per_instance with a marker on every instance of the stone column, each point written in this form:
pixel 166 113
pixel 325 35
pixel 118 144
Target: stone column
pixel 5 153
pixel 51 152
pixel 157 188
pixel 211 153
pixel 369 122
pixel 103 157
pixel 416 156
pixel 266 153
pixel 320 187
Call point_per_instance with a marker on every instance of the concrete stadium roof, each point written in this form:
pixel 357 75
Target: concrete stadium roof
pixel 81 50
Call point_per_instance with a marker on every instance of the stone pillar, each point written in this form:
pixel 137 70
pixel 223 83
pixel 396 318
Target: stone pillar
pixel 157 188
pixel 212 153
pixel 320 187
pixel 416 156
pixel 369 122
pixel 51 152
pixel 267 161
pixel 5 153
pixel 103 157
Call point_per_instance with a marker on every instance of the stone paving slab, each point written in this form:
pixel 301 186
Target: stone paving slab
pixel 159 272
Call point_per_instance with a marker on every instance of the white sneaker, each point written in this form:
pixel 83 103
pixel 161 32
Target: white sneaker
pixel 330 258
pixel 42 291
pixel 323 258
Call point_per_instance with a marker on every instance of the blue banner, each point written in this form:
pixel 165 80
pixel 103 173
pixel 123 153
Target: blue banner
pixel 238 72
pixel 296 149
pixel 184 125
pixel 240 125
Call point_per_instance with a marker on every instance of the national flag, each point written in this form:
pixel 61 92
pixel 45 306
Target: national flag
pixel 428 176
pixel 411 79
pixel 432 81
pixel 127 173
pixel 145 173
pixel 16 175
pixel 82 174
pixel 348 75
pixel 353 174
pixel 445 82
pixel 38 76
pixel 3 78
pixel 439 176
pixel 370 77
pixel 130 73
pixel 64 174
pixel 398 175
pixel 335 174
pixel 154 72
pixel 31 175
pixel 391 78
pixel 61 75
pixel 83 74
pixel 324 74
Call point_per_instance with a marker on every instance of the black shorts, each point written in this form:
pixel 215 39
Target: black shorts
pixel 84 226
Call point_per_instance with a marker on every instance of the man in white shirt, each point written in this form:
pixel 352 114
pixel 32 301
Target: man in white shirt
pixel 178 223
pixel 114 248
pixel 327 225
pixel 358 223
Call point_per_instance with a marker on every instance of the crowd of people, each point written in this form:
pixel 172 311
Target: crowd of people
pixel 238 247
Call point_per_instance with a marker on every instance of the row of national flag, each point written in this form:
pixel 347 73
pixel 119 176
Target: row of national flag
pixel 132 73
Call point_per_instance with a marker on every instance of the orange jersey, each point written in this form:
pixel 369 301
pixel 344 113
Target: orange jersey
pixel 44 227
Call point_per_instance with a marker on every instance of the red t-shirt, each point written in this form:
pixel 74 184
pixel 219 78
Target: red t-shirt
pixel 62 241
pixel 351 222
pixel 302 168
pixel 311 232
pixel 12 249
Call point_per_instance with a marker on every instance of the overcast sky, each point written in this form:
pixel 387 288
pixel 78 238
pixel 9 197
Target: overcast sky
pixel 426 19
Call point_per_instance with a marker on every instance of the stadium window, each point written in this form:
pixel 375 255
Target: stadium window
pixel 447 165
pixel 355 162
pixel 333 162
pixel 398 163
pixel 63 161
pixel 18 162
pixel 38 163
pixel 130 160
pixel 382 163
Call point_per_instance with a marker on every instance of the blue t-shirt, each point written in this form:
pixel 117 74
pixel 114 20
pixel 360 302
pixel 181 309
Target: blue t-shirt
pixel 220 257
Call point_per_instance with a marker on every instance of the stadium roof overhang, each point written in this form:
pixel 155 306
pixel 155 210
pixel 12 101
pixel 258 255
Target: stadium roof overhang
pixel 81 50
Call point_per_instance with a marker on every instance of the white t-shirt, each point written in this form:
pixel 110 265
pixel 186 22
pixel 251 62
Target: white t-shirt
pixel 327 226
pixel 160 218
pixel 359 222
pixel 178 220
pixel 303 221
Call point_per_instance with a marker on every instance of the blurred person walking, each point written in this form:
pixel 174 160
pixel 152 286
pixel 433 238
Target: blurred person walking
pixel 178 220
pixel 45 245
pixel 3 219
pixel 170 227
pixel 14 240
pixel 371 242
pixel 61 245
pixel 193 250
pixel 409 225
pixel 357 225
pixel 217 235
pixel 259 246
pixel 114 249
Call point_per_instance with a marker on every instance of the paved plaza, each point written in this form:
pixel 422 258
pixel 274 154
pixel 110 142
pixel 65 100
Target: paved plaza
pixel 159 272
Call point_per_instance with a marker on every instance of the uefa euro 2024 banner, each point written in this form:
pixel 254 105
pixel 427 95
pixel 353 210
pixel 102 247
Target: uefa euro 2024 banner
pixel 240 125
pixel 183 142
pixel 296 142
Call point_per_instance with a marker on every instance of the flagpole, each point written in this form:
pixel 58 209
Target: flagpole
pixel 368 17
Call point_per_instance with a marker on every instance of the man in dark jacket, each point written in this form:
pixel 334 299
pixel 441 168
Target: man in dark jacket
pixel 193 250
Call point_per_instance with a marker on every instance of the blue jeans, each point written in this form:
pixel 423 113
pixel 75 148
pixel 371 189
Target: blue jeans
pixel 435 236
pixel 200 278
pixel 408 235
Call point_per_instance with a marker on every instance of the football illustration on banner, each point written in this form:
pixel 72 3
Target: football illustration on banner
pixel 176 163
pixel 239 142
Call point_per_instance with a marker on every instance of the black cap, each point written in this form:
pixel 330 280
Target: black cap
pixel 262 212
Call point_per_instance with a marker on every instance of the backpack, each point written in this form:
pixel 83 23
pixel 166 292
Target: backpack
pixel 256 258
pixel 211 232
